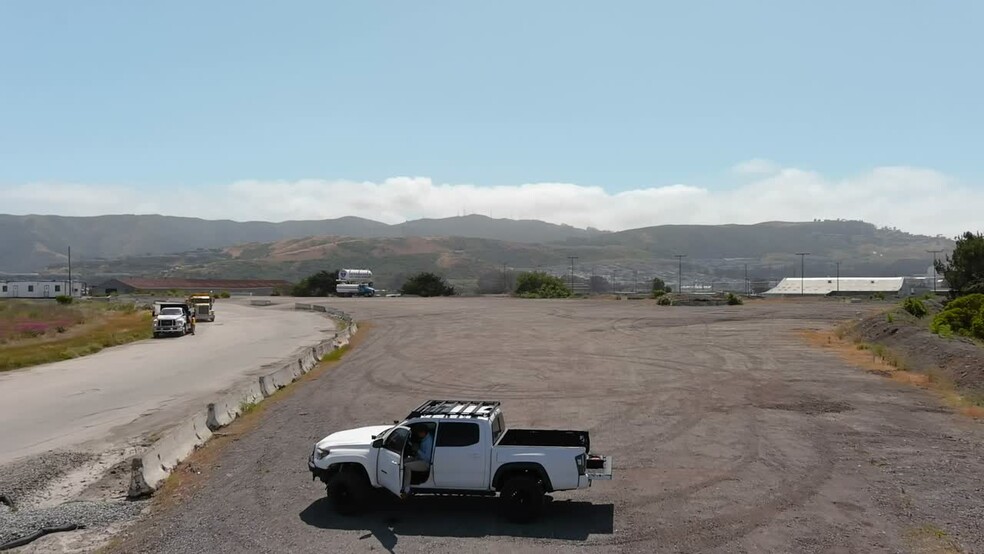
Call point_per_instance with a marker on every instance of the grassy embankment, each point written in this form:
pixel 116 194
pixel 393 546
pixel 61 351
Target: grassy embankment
pixel 899 344
pixel 35 332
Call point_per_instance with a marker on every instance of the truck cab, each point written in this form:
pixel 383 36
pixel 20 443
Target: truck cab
pixel 473 453
pixel 204 306
pixel 171 318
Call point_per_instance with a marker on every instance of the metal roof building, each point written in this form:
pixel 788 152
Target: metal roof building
pixel 822 286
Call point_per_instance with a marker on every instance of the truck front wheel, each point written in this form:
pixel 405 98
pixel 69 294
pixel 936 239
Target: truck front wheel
pixel 348 491
pixel 522 498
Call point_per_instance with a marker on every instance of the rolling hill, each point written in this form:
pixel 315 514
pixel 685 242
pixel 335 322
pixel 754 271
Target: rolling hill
pixel 714 253
pixel 33 242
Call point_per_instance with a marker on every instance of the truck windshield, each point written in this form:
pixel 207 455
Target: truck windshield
pixel 171 311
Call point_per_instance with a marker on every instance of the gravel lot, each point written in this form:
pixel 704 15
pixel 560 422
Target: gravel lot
pixel 730 434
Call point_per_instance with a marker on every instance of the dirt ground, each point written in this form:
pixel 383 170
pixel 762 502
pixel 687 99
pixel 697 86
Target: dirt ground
pixel 730 434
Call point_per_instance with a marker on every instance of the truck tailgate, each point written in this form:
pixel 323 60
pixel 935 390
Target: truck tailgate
pixel 603 473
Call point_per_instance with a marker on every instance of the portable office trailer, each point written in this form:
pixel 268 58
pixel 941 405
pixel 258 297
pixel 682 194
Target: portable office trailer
pixel 40 289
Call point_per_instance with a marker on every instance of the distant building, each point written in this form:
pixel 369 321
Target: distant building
pixel 130 285
pixel 41 288
pixel 847 286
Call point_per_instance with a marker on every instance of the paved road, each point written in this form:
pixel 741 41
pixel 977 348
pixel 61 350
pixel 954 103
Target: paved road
pixel 121 392
pixel 730 434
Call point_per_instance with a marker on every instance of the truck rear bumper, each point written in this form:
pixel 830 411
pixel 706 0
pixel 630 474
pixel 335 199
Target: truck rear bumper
pixel 600 472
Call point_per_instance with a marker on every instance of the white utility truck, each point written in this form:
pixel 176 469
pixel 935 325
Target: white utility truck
pixel 473 454
pixel 172 318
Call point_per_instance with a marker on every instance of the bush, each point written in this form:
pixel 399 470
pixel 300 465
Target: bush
pixel 963 316
pixel 914 306
pixel 537 284
pixel 664 301
pixel 64 299
pixel 889 317
pixel 734 300
pixel 427 284
pixel 878 296
pixel 224 294
pixel 321 283
pixel 659 287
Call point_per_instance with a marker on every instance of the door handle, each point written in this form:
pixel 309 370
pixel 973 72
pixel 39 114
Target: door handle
pixel 384 471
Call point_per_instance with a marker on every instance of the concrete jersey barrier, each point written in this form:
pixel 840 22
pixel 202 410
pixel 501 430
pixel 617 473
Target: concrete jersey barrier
pixel 150 470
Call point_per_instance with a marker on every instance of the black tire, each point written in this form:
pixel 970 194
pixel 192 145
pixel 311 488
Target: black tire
pixel 522 498
pixel 157 335
pixel 348 492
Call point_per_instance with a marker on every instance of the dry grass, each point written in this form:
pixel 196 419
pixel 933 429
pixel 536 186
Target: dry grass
pixel 881 360
pixel 97 327
pixel 930 539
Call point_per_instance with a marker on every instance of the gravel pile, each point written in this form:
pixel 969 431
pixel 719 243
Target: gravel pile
pixel 22 478
pixel 15 524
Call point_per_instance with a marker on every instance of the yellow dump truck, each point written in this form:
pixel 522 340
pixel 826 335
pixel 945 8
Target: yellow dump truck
pixel 204 306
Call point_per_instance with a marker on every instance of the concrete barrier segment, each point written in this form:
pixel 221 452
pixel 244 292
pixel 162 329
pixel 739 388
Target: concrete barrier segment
pixel 157 462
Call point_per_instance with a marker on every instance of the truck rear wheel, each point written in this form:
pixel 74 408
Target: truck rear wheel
pixel 348 491
pixel 522 498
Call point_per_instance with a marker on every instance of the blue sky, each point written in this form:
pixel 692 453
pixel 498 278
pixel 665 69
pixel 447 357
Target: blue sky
pixel 620 95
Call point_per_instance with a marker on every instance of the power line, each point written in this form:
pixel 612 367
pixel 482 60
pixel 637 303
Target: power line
pixel 680 257
pixel 572 259
pixel 934 253
pixel 802 256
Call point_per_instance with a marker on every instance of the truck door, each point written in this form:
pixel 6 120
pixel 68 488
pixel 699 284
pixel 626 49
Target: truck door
pixel 460 458
pixel 389 463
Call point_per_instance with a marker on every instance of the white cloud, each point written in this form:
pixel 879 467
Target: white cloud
pixel 913 199
pixel 756 166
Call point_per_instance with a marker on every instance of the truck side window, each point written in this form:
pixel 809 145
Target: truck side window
pixel 397 440
pixel 497 426
pixel 454 433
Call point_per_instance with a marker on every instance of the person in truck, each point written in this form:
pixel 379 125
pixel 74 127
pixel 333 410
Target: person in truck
pixel 421 459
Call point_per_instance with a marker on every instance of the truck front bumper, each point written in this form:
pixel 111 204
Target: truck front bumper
pixel 317 472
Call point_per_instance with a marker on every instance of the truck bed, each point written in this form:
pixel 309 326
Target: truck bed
pixel 545 437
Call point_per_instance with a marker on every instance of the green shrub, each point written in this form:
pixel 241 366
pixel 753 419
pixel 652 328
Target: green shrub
pixel 914 306
pixel 963 316
pixel 889 317
pixel 734 300
pixel 64 299
pixel 538 284
pixel 664 301
pixel 427 284
pixel 224 294
pixel 878 296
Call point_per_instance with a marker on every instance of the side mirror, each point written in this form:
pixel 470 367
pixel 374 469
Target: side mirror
pixel 378 443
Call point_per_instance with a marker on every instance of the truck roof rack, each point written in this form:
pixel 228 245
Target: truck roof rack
pixel 455 408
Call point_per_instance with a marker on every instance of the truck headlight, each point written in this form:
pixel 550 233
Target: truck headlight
pixel 320 453
pixel 580 460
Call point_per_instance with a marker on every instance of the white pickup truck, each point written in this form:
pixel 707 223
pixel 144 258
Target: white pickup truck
pixel 473 454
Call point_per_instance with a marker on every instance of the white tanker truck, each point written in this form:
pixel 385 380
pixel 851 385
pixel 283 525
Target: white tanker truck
pixel 355 282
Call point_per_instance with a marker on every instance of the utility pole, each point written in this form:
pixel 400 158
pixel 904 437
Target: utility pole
pixel 746 279
pixel 838 277
pixel 70 291
pixel 505 281
pixel 572 259
pixel 802 256
pixel 680 258
pixel 635 280
pixel 934 253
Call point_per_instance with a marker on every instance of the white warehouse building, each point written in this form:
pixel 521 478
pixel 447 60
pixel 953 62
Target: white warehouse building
pixel 40 288
pixel 823 286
